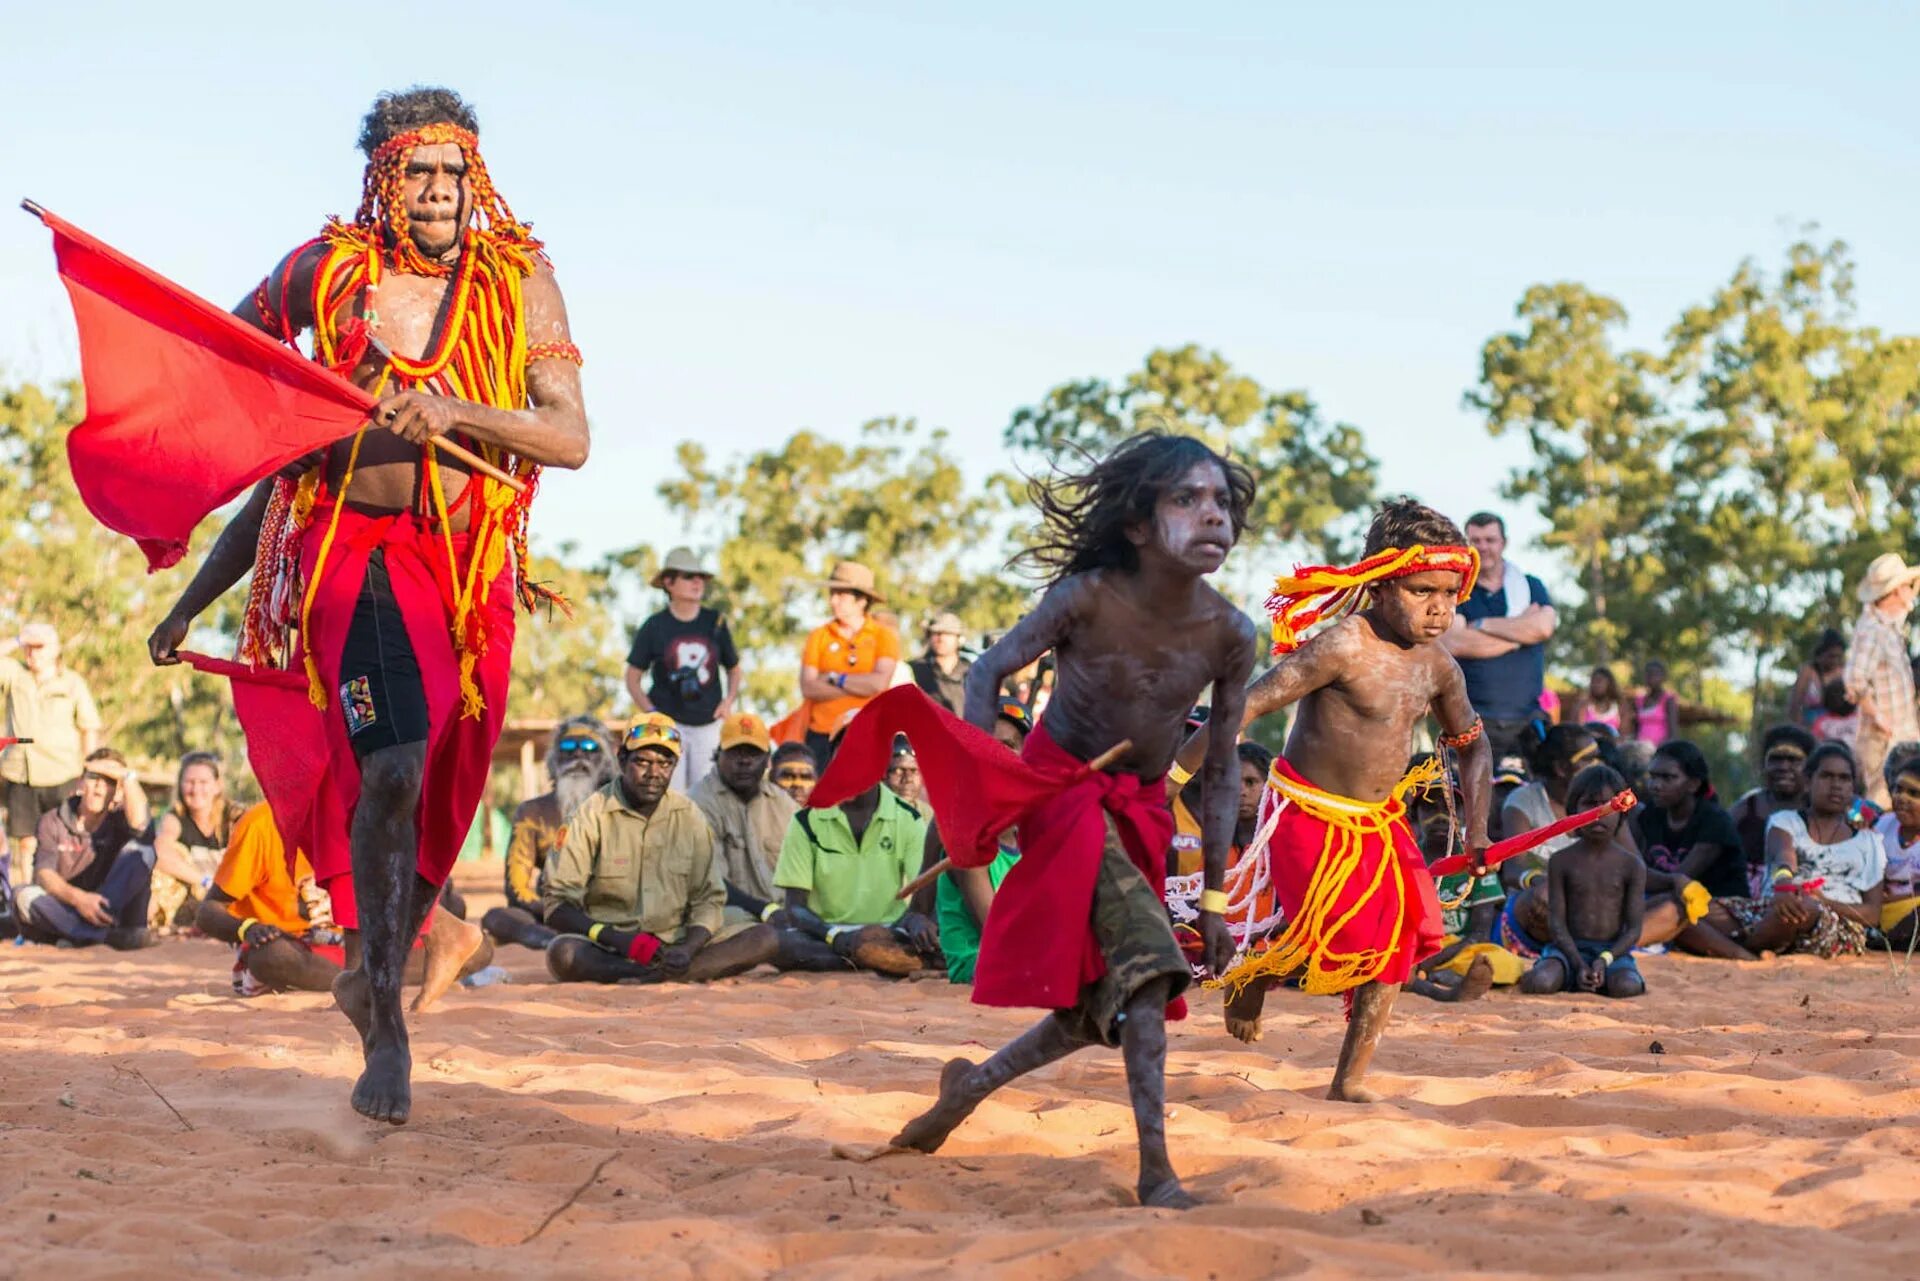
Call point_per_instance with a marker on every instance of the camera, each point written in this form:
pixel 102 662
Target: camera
pixel 685 682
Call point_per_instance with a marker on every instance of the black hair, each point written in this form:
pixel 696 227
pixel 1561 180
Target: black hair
pixel 1556 747
pixel 1595 782
pixel 1787 735
pixel 403 110
pixel 1613 682
pixel 1834 700
pixel 1692 762
pixel 1255 754
pixel 1084 517
pixel 1483 519
pixel 1910 766
pixel 1829 638
pixel 794 751
pixel 1826 752
pixel 1402 522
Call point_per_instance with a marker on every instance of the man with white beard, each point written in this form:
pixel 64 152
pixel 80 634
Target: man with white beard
pixel 580 762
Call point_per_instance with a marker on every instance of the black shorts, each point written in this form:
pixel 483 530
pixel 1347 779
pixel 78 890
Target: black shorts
pixel 381 696
pixel 26 803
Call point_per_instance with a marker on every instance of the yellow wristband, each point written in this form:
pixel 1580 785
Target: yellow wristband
pixel 1606 958
pixel 1178 775
pixel 1214 901
pixel 593 932
pixel 766 913
pixel 246 925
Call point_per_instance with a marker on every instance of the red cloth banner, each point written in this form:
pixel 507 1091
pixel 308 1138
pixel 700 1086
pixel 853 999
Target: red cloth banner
pixel 286 740
pixel 188 406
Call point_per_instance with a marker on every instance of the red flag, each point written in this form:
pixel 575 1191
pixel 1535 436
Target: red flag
pixel 187 405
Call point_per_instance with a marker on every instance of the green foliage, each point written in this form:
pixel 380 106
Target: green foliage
pixel 1313 475
pixel 565 664
pixel 896 500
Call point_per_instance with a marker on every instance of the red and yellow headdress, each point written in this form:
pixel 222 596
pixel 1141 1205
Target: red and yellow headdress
pixel 1319 593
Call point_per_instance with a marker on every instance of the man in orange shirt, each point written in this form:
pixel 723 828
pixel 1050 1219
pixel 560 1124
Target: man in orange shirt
pixel 847 661
pixel 277 917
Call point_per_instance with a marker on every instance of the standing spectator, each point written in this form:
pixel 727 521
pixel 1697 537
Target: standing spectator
pixel 1658 713
pixel 1603 704
pixel 1783 764
pixel 51 705
pixel 1499 636
pixel 684 649
pixel 190 840
pixel 91 882
pixel 1879 672
pixel 847 661
pixel 1804 703
pixel 941 671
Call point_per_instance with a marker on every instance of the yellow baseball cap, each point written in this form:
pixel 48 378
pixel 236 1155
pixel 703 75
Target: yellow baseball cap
pixel 744 729
pixel 655 729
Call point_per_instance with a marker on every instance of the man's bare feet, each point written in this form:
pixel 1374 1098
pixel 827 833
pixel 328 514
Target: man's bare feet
pixel 355 999
pixel 1353 1092
pixel 926 1132
pixel 1243 1011
pixel 384 1091
pixel 1477 982
pixel 885 954
pixel 1167 1194
pixel 451 943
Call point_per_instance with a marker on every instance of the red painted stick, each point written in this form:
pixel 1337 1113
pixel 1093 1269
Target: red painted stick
pixel 1501 851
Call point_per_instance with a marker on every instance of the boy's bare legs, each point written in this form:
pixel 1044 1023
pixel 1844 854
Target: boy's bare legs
pixel 963 1084
pixel 1243 1010
pixel 1372 1007
pixel 1143 1042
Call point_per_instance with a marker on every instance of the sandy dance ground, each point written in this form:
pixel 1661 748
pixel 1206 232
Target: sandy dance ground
pixel 154 1125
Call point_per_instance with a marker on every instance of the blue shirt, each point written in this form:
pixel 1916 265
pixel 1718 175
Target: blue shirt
pixel 1507 688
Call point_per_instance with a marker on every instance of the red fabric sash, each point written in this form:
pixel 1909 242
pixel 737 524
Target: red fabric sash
pixel 1037 948
pixel 1410 929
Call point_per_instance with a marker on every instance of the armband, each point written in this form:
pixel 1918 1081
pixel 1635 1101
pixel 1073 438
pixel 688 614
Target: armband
pixel 1177 775
pixel 554 351
pixel 246 925
pixel 1606 958
pixel 1465 736
pixel 1529 876
pixel 1214 901
pixel 593 932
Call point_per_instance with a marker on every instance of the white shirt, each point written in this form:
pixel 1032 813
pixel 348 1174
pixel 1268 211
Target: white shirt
pixel 1851 867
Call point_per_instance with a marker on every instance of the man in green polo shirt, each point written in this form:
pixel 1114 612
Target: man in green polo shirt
pixel 635 890
pixel 843 868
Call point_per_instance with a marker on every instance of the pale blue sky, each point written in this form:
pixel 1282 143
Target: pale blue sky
pixel 777 216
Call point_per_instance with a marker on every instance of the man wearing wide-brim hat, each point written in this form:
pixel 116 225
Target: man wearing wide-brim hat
pixel 941 672
pixel 684 653
pixel 1879 673
pixel 847 661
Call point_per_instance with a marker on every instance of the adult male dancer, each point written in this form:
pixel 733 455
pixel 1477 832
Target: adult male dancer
pixel 393 565
pixel 1138 635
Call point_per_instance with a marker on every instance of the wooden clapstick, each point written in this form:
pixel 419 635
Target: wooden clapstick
pixel 447 447
pixel 1093 766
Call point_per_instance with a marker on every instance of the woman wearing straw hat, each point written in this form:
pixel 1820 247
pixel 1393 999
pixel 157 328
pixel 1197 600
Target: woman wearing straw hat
pixel 1879 675
pixel 683 650
pixel 847 661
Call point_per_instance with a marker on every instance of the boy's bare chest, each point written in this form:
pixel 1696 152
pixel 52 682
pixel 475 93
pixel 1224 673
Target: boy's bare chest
pixel 1389 685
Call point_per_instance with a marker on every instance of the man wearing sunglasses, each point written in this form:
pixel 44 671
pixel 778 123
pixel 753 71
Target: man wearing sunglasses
pixel 636 891
pixel 580 763
pixel 91 881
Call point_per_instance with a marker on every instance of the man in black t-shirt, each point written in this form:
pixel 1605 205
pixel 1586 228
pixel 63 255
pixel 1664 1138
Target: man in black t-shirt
pixel 684 652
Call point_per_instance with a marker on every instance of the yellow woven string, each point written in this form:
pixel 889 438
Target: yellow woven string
pixel 316 692
pixel 1305 944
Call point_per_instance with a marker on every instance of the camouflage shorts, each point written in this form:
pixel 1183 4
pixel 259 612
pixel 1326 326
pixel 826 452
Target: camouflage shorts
pixel 1135 936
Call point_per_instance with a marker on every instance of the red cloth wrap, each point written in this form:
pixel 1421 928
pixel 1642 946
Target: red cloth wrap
pixel 1410 929
pixel 1037 948
pixel 644 947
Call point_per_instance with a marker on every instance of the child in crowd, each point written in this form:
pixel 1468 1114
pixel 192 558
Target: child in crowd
pixel 1839 718
pixel 1596 890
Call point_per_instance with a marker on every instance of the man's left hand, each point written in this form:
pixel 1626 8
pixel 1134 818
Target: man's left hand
pixel 1216 943
pixel 920 932
pixel 415 416
pixel 675 959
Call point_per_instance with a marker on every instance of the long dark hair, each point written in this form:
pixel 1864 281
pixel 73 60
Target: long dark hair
pixel 1084 516
pixel 1692 762
pixel 1613 685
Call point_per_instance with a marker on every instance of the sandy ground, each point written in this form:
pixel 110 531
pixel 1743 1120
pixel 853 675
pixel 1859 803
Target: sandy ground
pixel 152 1121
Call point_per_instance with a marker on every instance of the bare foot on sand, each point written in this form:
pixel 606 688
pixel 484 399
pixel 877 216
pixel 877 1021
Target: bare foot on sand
pixel 383 1092
pixel 1243 1011
pixel 926 1132
pixel 885 955
pixel 451 943
pixel 1354 1093
pixel 355 999
pixel 1167 1195
pixel 1478 980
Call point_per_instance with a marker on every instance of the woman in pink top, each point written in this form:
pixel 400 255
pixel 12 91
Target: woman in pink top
pixel 1603 704
pixel 1658 714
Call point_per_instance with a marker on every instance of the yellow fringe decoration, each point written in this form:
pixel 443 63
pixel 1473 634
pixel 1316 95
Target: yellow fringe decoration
pixel 1304 946
pixel 1321 593
pixel 316 692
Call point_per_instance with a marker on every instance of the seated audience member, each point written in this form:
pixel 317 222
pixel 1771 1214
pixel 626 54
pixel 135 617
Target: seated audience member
pixel 579 763
pixel 903 773
pixel 749 816
pixel 1825 875
pixel 1899 831
pixel 189 840
pixel 842 869
pixel 1783 782
pixel 963 895
pixel 1597 896
pixel 1839 718
pixel 278 919
pixel 636 891
pixel 1684 834
pixel 1252 913
pixel 1555 758
pixel 1469 962
pixel 795 771
pixel 91 881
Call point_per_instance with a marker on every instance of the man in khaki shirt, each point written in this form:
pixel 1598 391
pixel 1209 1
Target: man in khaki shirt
pixel 748 814
pixel 636 891
pixel 52 706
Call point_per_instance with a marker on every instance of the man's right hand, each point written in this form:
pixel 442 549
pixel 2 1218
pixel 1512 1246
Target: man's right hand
pixel 163 644
pixel 261 934
pixel 92 909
